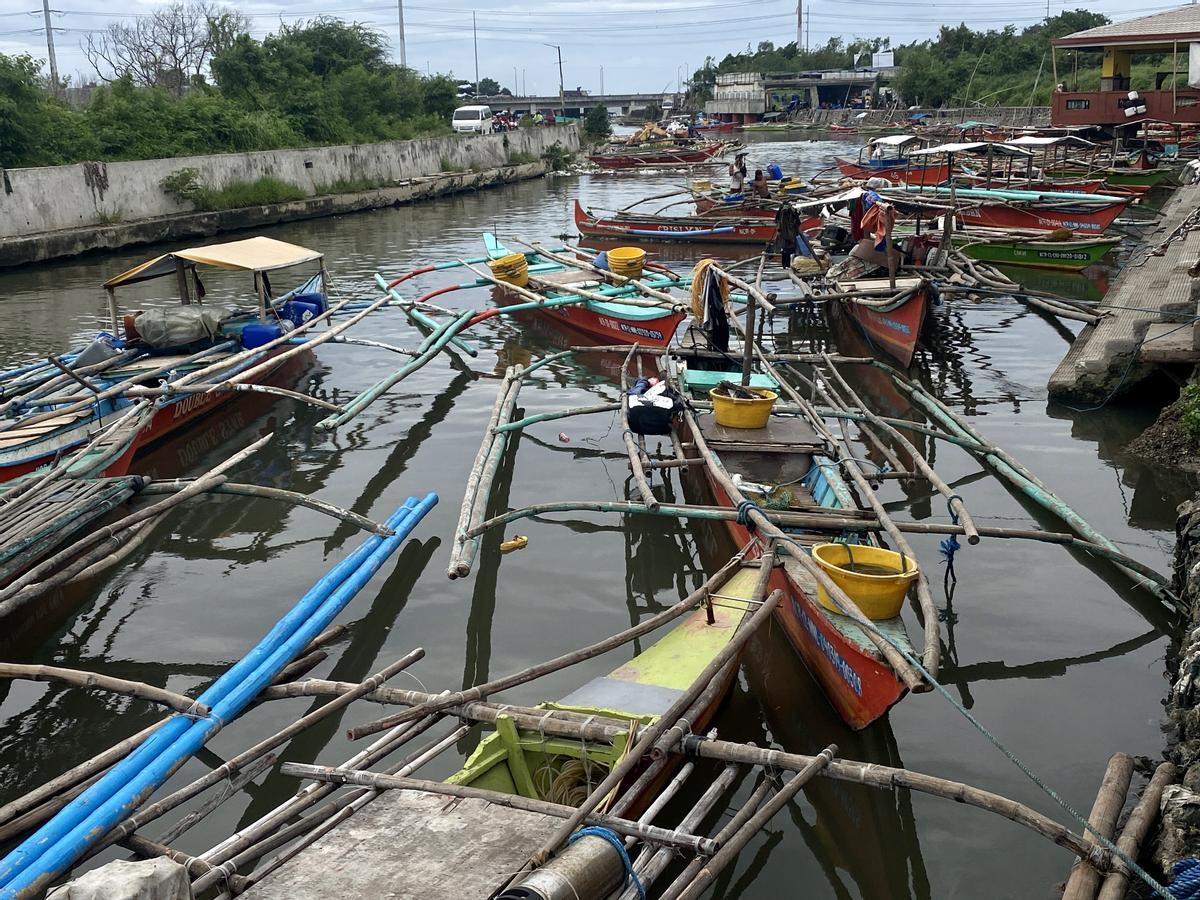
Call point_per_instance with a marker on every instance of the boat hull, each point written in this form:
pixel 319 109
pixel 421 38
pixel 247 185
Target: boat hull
pixel 858 685
pixel 927 176
pixel 653 332
pixel 169 418
pixel 1040 217
pixel 895 331
pixel 651 158
pixel 676 228
pixel 1066 255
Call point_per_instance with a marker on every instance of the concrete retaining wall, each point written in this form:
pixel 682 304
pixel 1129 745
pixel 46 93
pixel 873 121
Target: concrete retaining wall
pixel 89 194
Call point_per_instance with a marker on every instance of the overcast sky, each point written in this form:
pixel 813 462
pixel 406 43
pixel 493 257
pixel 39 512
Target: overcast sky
pixel 640 45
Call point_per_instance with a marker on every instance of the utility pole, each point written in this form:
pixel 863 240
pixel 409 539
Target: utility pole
pixel 808 31
pixel 50 48
pixel 800 22
pixel 602 81
pixel 400 14
pixel 475 38
pixel 562 104
pixel 516 83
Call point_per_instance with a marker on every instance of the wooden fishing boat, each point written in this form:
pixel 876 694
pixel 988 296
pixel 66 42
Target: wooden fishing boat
pixel 1071 255
pixel 787 466
pixel 891 318
pixel 709 230
pixel 47 425
pixel 658 156
pixel 716 206
pixel 636 692
pixel 608 320
pixel 888 157
pixel 719 128
pixel 1030 210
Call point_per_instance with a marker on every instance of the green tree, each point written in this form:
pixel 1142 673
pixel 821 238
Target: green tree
pixel 489 87
pixel 596 124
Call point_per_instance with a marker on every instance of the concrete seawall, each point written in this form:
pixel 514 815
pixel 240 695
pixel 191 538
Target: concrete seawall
pixel 57 211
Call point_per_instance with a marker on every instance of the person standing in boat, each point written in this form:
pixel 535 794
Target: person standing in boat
pixel 760 187
pixel 737 174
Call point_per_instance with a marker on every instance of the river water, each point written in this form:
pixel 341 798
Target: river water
pixel 1061 662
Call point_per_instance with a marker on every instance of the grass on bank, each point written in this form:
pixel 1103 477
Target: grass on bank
pixel 187 186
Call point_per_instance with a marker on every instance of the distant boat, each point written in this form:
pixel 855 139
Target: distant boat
pixel 701 229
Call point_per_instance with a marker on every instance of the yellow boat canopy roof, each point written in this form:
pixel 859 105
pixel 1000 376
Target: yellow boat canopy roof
pixel 256 254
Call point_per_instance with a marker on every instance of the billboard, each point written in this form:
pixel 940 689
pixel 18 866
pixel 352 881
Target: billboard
pixel 884 59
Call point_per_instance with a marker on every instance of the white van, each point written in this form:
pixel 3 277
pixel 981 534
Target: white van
pixel 473 120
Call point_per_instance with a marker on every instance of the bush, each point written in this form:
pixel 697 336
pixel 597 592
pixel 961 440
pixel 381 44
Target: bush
pixel 1189 409
pixel 187 186
pixel 557 156
pixel 596 124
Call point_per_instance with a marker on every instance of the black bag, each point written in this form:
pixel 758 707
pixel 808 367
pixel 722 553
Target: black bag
pixel 646 417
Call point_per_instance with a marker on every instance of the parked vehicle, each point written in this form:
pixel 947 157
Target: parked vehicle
pixel 473 120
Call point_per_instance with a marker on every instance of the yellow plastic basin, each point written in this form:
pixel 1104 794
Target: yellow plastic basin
pixel 627 261
pixel 735 413
pixel 513 269
pixel 880 595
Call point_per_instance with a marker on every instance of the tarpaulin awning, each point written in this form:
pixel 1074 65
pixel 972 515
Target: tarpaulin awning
pixel 256 254
pixel 894 140
pixel 1031 141
pixel 977 147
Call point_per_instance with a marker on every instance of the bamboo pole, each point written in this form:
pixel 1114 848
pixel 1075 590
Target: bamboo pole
pixel 890 778
pixel 229 768
pixel 1135 831
pixel 650 866
pixel 759 298
pixel 834 520
pixel 534 296
pixel 649 737
pixel 199 485
pixel 952 499
pixel 476 473
pixel 228 789
pixel 463 554
pixel 561 414
pixel 272 493
pixel 690 842
pixel 1085 880
pixel 82 679
pixel 738 840
pixel 548 285
pixel 631 447
pixel 77 774
pixel 479 692
pixel 300 666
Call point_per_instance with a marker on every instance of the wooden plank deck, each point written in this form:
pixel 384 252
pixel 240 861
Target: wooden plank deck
pixel 408 845
pixel 1104 357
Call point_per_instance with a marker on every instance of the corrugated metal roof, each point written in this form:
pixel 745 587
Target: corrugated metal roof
pixel 1181 24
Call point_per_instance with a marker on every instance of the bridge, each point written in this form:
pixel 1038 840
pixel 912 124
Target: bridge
pixel 576 103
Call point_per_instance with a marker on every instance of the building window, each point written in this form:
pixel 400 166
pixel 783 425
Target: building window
pixel 1079 104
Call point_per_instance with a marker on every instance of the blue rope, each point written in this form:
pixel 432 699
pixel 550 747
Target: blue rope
pixel 1186 883
pixel 950 545
pixel 619 845
pixel 743 514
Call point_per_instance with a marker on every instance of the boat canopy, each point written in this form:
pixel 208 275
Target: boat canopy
pixel 1031 141
pixel 256 254
pixel 894 140
pixel 975 147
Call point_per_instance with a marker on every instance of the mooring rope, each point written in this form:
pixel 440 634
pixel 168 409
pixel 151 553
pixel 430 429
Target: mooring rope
pixel 1186 882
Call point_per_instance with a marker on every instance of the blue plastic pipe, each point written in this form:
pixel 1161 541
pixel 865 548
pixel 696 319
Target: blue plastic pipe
pixel 67 836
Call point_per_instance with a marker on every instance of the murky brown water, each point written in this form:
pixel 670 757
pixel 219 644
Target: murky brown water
pixel 1062 662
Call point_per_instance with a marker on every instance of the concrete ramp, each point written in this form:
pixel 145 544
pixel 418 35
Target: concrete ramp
pixel 1107 358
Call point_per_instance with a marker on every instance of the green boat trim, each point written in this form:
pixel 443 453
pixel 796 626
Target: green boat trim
pixel 1067 255
pixel 529 764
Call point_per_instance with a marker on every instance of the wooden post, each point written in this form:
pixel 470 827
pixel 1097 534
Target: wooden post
pixel 748 339
pixel 185 295
pixel 1135 830
pixel 1085 880
pixel 261 291
pixel 114 316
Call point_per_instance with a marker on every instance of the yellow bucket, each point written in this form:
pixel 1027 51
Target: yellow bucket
pixel 701 185
pixel 734 413
pixel 880 595
pixel 513 269
pixel 627 261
